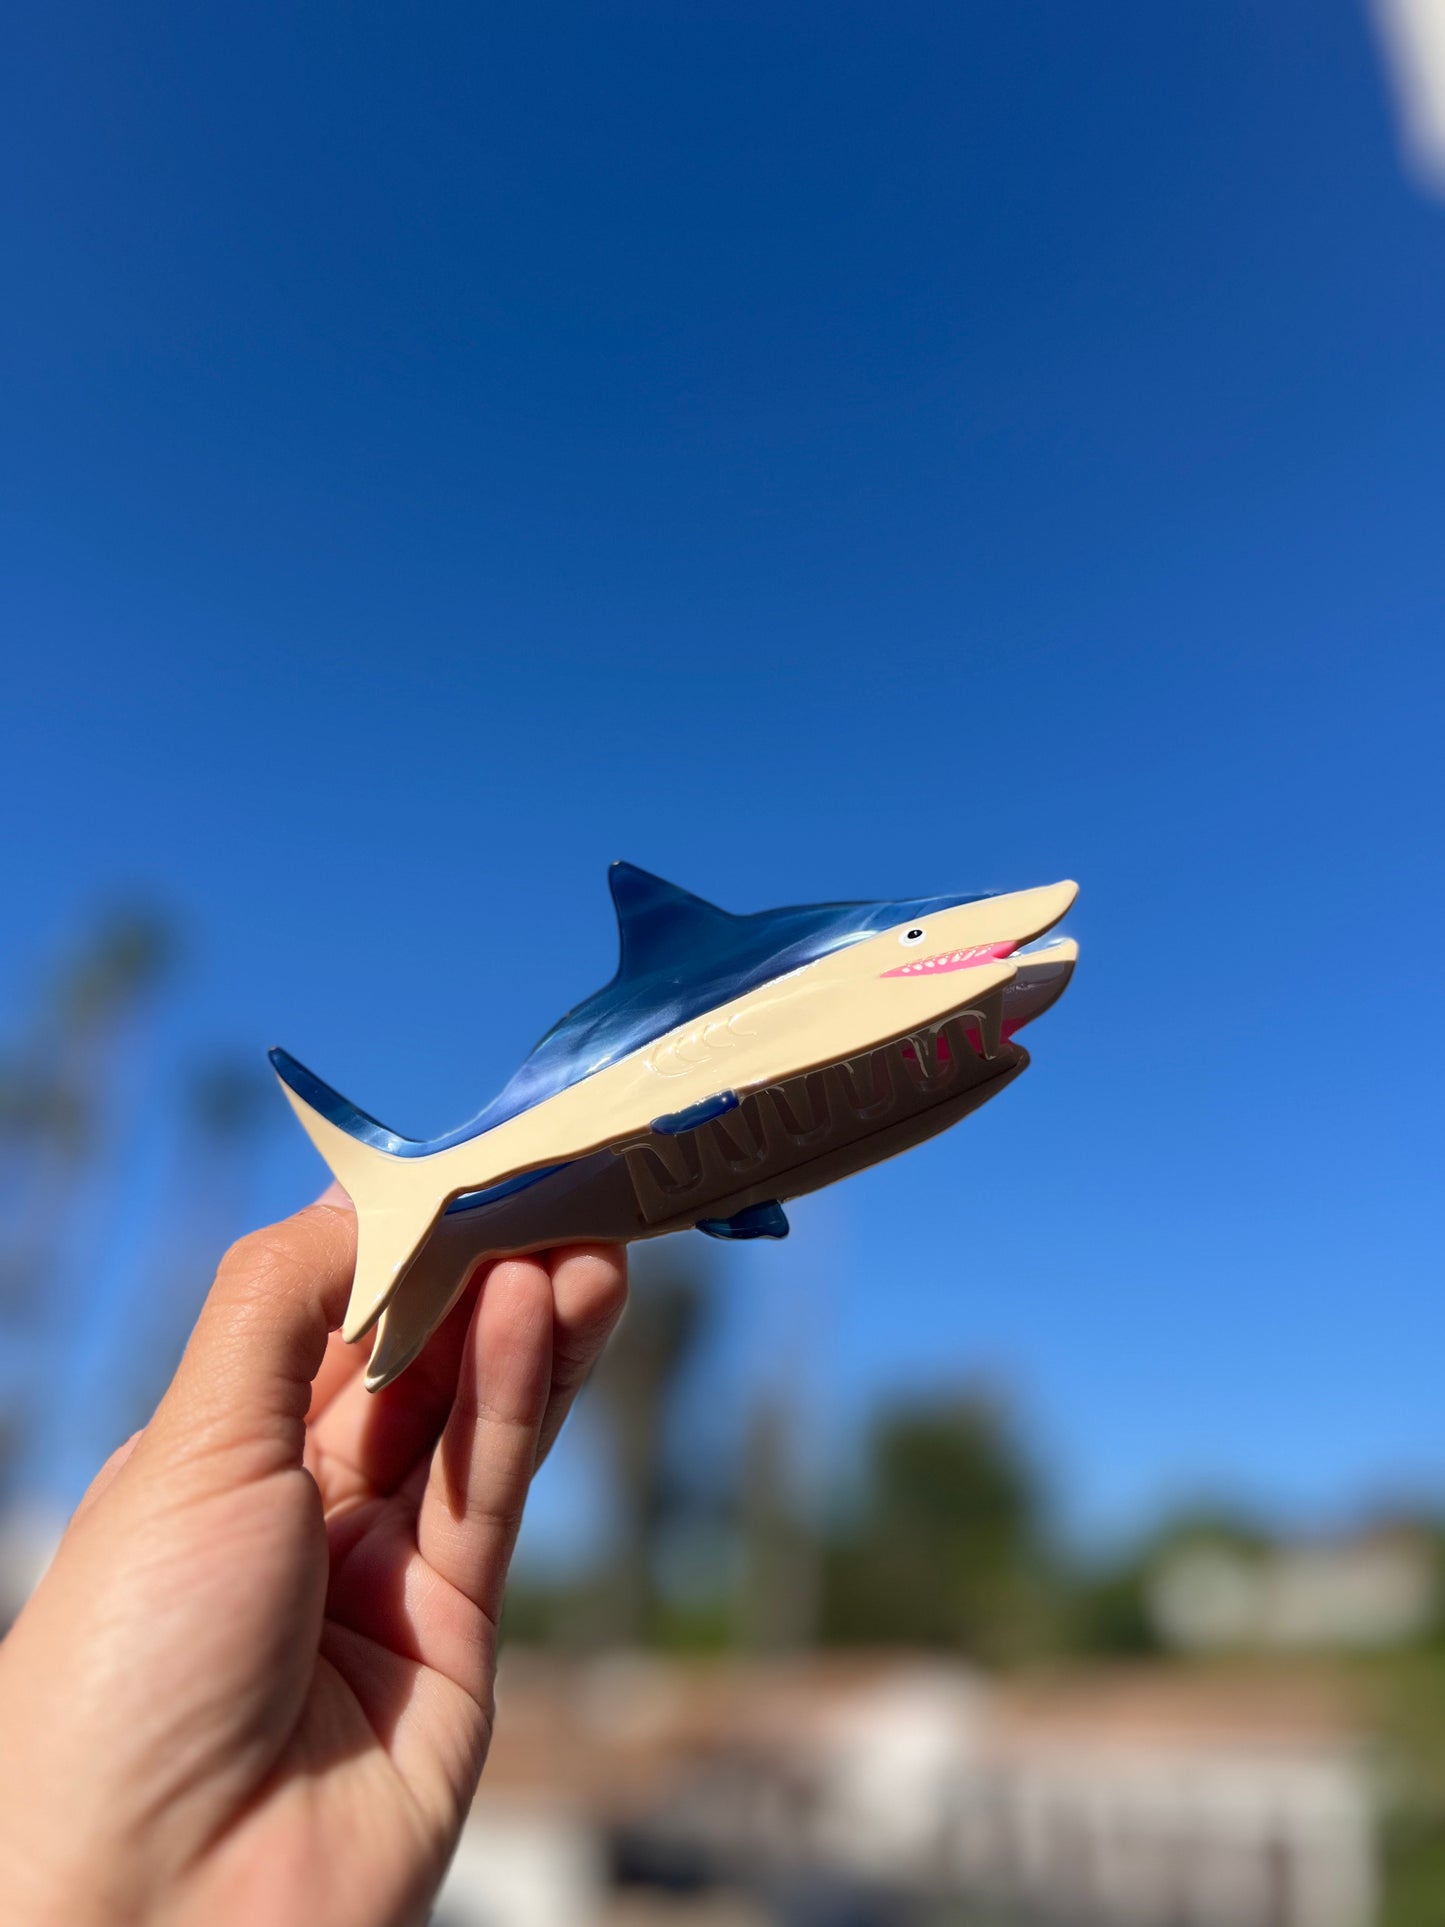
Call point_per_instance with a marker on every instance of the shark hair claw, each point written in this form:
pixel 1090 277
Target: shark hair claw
pixel 733 1062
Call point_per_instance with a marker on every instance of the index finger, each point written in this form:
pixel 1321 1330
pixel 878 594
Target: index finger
pixel 244 1382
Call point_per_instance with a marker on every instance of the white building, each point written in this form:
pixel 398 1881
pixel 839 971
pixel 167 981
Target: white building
pixel 1151 1797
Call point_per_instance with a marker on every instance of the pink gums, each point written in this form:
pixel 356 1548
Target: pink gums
pixel 979 953
pixel 948 960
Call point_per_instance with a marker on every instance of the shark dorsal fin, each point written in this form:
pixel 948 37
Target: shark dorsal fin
pixel 659 925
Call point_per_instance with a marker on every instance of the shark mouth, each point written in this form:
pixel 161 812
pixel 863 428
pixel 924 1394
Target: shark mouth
pixel 949 960
pixel 820 1115
pixel 824 1119
pixel 783 1126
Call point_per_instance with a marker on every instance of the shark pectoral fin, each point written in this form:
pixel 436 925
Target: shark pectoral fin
pixel 675 1122
pixel 756 1221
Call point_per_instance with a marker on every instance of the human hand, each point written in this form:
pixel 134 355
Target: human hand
pixel 256 1683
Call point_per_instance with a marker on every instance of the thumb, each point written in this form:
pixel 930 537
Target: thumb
pixel 238 1400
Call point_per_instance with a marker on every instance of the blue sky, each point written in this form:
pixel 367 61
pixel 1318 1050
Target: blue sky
pixel 812 452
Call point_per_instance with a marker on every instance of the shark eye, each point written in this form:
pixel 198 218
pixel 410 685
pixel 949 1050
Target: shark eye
pixel 915 935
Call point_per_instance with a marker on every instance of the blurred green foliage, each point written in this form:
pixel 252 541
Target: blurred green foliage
pixel 1409 1689
pixel 948 1548
pixel 81 1086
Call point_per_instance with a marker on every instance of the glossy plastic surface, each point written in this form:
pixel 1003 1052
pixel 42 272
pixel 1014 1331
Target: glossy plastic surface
pixel 732 1062
pixel 679 957
pixel 767 1220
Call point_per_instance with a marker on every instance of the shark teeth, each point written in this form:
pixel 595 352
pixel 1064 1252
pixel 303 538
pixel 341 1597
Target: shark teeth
pixel 947 960
pixel 784 1125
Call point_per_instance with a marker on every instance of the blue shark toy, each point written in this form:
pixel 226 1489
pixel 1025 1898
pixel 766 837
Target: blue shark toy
pixel 731 1063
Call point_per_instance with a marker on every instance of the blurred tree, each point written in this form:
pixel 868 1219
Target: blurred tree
pixel 1108 1614
pixel 229 1101
pixel 948 1549
pixel 227 1105
pixel 778 1609
pixel 130 952
pixel 634 1390
pixel 1109 1611
pixel 57 1085
pixel 1411 1692
pixel 54 1081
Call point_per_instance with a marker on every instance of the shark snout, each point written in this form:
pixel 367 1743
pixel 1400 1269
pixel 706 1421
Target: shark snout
pixel 985 935
pixel 980 933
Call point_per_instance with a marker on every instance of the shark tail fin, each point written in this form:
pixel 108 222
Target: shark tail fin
pixel 366 1160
